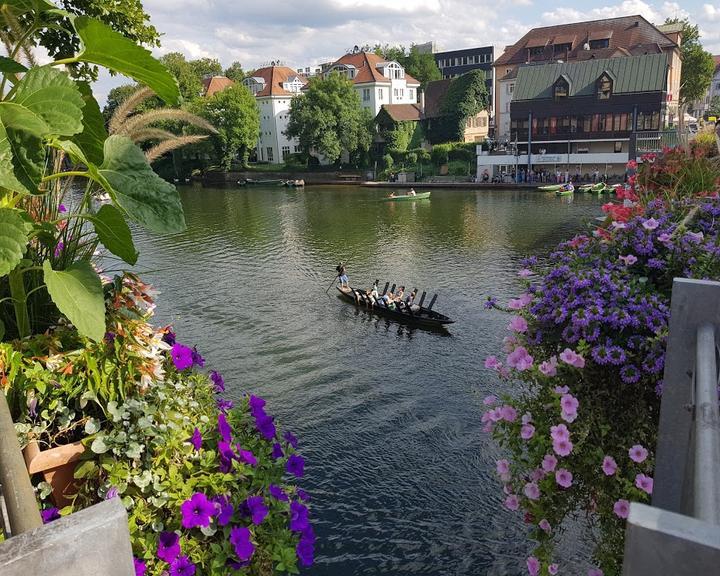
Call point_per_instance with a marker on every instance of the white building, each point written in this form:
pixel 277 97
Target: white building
pixel 701 107
pixel 377 81
pixel 274 87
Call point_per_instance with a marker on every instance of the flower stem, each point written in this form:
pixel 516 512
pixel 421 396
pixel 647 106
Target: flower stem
pixel 17 290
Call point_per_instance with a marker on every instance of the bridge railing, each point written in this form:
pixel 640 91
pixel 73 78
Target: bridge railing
pixel 679 534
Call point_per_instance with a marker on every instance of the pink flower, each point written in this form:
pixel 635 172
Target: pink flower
pixel 609 466
pixel 527 431
pixel 537 475
pixel 525 273
pixel 490 400
pixel 650 224
pixel 509 343
pixel 512 502
pixel 508 413
pixel 553 569
pixel 533 566
pixel 561 390
pixel 564 478
pixel 503 466
pixel 569 405
pixel 520 303
pixel 559 432
pixel 520 359
pixel 664 238
pixel 544 525
pixel 492 362
pixel 595 572
pixel 638 453
pixel 526 418
pixel 549 367
pixel 628 260
pixel 532 491
pixel 518 324
pixel 645 483
pixel 622 508
pixel 562 447
pixel 549 462
pixel 570 357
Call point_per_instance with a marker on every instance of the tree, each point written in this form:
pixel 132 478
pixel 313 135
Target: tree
pixel 206 67
pixel 117 96
pixel 235 72
pixel 466 97
pixel 698 65
pixel 235 115
pixel 329 118
pixel 189 81
pixel 420 65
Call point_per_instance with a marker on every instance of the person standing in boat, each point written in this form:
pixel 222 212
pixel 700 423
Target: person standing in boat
pixel 342 275
pixel 412 192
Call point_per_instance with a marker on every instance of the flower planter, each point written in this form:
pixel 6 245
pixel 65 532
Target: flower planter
pixel 57 466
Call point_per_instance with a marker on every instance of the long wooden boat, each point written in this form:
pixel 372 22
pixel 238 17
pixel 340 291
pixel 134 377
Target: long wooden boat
pixel 419 196
pixel 422 316
pixel 251 181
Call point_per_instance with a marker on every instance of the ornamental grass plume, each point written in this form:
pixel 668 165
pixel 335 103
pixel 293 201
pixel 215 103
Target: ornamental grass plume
pixel 586 361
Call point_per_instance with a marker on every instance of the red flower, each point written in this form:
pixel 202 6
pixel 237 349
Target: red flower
pixel 632 165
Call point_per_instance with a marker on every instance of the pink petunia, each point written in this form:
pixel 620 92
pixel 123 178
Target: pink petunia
pixel 503 466
pixel 650 224
pixel 561 390
pixel 492 362
pixel 532 491
pixel 559 432
pixel 549 463
pixel 628 260
pixel 562 447
pixel 533 566
pixel 564 478
pixel 553 569
pixel 509 343
pixel 622 508
pixel 527 431
pixel 595 572
pixel 525 273
pixel 645 483
pixel 544 525
pixel 490 400
pixel 609 466
pixel 521 302
pixel 512 502
pixel 664 238
pixel 526 418
pixel 518 324
pixel 537 475
pixel 508 413
pixel 572 358
pixel 549 367
pixel 638 453
pixel 520 359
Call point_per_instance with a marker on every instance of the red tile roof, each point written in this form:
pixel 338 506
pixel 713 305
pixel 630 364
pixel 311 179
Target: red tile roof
pixel 403 112
pixel 367 70
pixel 626 32
pixel 274 77
pixel 214 84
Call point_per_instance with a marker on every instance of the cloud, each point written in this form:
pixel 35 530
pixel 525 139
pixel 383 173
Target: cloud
pixel 625 8
pixel 711 12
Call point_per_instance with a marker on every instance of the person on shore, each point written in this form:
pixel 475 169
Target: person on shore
pixel 342 275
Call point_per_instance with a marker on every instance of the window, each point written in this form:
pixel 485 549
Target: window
pixel 510 88
pixel 270 153
pixel 598 44
pixel 618 147
pixel 285 152
pixel 561 89
pixel 559 49
pixel 366 94
pixel 471 59
pixel 648 121
pixel 411 94
pixel 296 148
pixel 380 94
pixel 537 51
pixel 395 71
pixel 604 87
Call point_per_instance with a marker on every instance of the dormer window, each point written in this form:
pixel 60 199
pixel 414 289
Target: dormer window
pixel 293 84
pixel 255 84
pixel 537 50
pixel 604 87
pixel 561 49
pixel 392 70
pixel 561 89
pixel 348 71
pixel 599 44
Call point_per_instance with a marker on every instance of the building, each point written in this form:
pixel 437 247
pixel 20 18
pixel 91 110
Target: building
pixel 583 116
pixel 377 81
pixel 274 87
pixel 700 108
pixel 457 62
pixel 214 84
pixel 580 41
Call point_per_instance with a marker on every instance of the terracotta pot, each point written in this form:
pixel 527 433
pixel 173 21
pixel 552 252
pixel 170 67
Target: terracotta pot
pixel 57 466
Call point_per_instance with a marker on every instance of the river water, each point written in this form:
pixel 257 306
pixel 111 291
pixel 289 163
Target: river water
pixel 400 474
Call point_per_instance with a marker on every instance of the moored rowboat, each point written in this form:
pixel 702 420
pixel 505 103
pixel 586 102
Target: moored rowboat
pixel 565 190
pixel 420 196
pixel 550 187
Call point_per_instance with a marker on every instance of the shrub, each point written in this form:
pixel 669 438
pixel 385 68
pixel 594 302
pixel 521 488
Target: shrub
pixel 388 161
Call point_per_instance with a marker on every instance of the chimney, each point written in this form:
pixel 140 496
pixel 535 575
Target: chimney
pixel 422 102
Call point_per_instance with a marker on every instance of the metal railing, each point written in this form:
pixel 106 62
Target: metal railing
pixel 655 142
pixel 679 534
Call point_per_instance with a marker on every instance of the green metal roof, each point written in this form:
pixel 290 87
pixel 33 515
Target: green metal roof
pixel 631 74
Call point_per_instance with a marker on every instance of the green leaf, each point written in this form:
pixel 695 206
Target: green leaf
pixel 28 158
pixel 98 445
pixel 10 66
pixel 94 134
pixel 15 116
pixel 78 294
pixel 114 233
pixel 103 46
pixel 54 97
pixel 24 6
pixel 7 169
pixel 2 330
pixel 143 195
pixel 13 239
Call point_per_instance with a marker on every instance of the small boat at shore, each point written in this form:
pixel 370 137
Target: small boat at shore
pixel 251 181
pixel 294 183
pixel 598 188
pixel 401 197
pixel 565 190
pixel 417 315
pixel 550 187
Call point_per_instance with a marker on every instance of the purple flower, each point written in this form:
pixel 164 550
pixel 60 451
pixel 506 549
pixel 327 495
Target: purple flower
pixel 305 548
pixel 257 509
pixel 197 511
pixel 182 356
pixel 168 546
pixel 569 405
pixel 544 525
pixel 502 466
pixel 549 367
pixel 553 569
pixel 508 413
pixel 628 260
pixel 525 273
pixel 49 514
pixel 247 457
pixel 62 208
pixel 664 238
pixel 559 432
pixel 139 567
pixel 169 337
pixel 532 491
pixel 111 493
pixel 645 483
pixel 224 428
pixel 650 224
pixel 265 426
pixel 224 405
pixel 277 493
pixel 549 463
pixel 59 247
pixel 520 359
pixel 638 453
pixel 291 439
pixel 533 566
pixel 182 566
pixel 240 539
pixel 527 431
pixel 622 508
pixel 277 451
pixel 512 502
pixel 609 466
pixel 225 510
pixel 295 465
pixel 298 517
pixel 518 324
pixel 573 359
pixel 217 380
pixel 490 400
pixel 564 478
pixel 197 360
pixel 490 303
pixel 196 439
pixel 562 447
pixel 256 404
pixel 304 496
pixel 595 572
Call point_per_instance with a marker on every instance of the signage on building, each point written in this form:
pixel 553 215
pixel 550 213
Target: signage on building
pixel 549 159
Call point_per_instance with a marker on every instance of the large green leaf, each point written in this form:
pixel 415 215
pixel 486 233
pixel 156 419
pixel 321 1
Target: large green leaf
pixel 114 233
pixel 94 134
pixel 52 95
pixel 8 180
pixel 23 6
pixel 10 66
pixel 14 115
pixel 103 46
pixel 78 294
pixel 28 158
pixel 13 239
pixel 131 182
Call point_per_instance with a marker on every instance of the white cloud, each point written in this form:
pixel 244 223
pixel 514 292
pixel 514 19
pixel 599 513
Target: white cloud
pixel 712 13
pixel 626 8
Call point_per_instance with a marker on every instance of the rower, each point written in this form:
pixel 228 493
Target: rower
pixel 412 192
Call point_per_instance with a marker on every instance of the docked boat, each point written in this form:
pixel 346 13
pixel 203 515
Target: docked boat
pixel 294 183
pixel 418 315
pixel 550 187
pixel 598 188
pixel 565 190
pixel 251 181
pixel 402 197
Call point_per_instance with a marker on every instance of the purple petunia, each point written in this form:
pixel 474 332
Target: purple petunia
pixel 111 493
pixel 217 380
pixel 49 514
pixel 225 510
pixel 182 566
pixel 291 439
pixel 295 465
pixel 298 517
pixel 277 451
pixel 564 478
pixel 638 453
pixel 512 502
pixel 62 208
pixel 182 356
pixel 240 539
pixel 168 547
pixel 609 466
pixel 305 548
pixel 257 509
pixel 196 440
pixel 59 247
pixel 622 508
pixel 197 511
pixel 140 567
pixel 277 493
pixel 304 496
pixel 224 428
pixel 247 457
pixel 197 360
pixel 224 405
pixel 645 483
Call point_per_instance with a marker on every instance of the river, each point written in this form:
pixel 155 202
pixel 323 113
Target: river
pixel 400 474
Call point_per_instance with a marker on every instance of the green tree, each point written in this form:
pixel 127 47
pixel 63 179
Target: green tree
pixel 235 72
pixel 235 115
pixel 206 67
pixel 421 66
pixel 466 97
pixel 189 81
pixel 698 65
pixel 117 96
pixel 329 118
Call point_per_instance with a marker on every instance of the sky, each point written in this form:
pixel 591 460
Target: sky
pixel 301 33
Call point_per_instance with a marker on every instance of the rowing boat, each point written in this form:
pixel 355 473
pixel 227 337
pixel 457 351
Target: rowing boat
pixel 550 187
pixel 416 315
pixel 420 196
pixel 565 190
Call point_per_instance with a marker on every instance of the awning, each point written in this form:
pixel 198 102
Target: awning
pixel 600 34
pixel 565 39
pixel 537 43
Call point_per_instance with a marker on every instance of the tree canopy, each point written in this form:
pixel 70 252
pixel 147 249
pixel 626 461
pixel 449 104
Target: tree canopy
pixel 329 118
pixel 235 72
pixel 420 65
pixel 466 97
pixel 235 115
pixel 698 65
